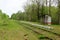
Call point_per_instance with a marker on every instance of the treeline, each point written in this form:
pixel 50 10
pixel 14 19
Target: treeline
pixel 3 16
pixel 35 10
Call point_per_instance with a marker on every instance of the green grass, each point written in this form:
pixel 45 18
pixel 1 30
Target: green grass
pixel 45 33
pixel 56 28
pixel 10 30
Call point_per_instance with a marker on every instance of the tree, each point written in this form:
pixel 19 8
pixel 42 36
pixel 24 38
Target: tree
pixel 58 11
pixel 49 7
pixel 35 10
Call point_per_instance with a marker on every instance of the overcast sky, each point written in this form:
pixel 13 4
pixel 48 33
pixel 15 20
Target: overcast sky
pixel 11 6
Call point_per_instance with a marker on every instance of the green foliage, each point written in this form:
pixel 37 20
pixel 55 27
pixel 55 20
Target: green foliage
pixel 18 16
pixel 3 15
pixel 3 18
pixel 31 13
pixel 54 15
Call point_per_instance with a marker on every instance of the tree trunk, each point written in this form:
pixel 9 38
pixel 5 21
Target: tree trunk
pixel 49 8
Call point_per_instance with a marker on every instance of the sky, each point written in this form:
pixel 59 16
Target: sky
pixel 11 6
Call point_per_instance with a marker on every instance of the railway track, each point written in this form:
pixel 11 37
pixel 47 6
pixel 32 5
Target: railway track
pixel 36 31
pixel 38 27
pixel 50 31
pixel 49 34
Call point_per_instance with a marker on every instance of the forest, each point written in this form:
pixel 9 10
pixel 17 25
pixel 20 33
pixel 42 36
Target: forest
pixel 35 11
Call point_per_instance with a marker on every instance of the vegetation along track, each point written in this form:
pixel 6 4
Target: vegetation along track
pixel 46 33
pixel 50 31
pixel 45 29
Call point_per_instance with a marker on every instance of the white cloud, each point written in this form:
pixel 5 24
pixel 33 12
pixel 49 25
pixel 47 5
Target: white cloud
pixel 11 6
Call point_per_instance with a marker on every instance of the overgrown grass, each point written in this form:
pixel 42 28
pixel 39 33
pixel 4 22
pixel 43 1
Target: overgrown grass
pixel 56 28
pixel 10 30
pixel 43 31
